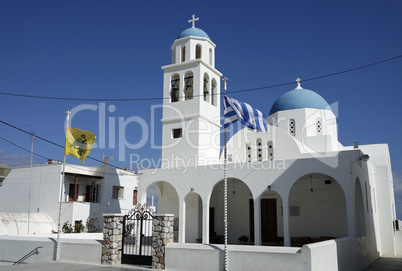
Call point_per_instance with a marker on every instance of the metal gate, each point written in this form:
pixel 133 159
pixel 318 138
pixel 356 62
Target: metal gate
pixel 137 236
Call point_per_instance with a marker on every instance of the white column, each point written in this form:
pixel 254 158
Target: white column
pixel 205 222
pixel 286 226
pixel 257 222
pixel 182 221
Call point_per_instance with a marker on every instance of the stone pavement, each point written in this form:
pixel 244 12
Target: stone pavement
pixel 382 264
pixel 386 264
pixel 63 266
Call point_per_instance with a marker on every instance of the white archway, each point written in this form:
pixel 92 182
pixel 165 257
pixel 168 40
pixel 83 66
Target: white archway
pixel 317 209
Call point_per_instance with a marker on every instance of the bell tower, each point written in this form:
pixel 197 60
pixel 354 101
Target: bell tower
pixel 191 107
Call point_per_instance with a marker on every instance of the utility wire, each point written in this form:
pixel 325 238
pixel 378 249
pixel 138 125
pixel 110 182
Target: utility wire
pixel 23 148
pixel 73 166
pixel 51 142
pixel 163 98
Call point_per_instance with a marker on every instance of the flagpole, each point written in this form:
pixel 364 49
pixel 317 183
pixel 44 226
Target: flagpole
pixel 30 181
pixel 226 191
pixel 61 196
pixel 226 203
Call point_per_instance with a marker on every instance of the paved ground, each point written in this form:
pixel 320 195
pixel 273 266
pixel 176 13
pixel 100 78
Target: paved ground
pixel 382 264
pixel 386 264
pixel 61 266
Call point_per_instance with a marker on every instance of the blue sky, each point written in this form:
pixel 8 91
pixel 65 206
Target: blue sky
pixel 115 49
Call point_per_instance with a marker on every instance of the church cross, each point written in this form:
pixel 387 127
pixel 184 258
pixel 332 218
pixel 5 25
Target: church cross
pixel 298 83
pixel 224 84
pixel 193 20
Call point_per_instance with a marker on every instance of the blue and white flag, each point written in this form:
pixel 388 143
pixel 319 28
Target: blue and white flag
pixel 250 117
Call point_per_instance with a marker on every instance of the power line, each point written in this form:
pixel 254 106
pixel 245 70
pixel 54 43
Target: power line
pixel 51 142
pixel 73 166
pixel 163 98
pixel 24 148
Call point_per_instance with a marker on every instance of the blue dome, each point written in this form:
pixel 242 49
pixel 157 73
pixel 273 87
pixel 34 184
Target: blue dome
pixel 299 98
pixel 193 31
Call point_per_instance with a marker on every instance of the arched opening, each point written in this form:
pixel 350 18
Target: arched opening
pixel 238 199
pixel 198 51
pixel 183 53
pixel 188 88
pixel 175 88
pixel 206 88
pixel 359 210
pixel 167 202
pixel 213 92
pixel 317 210
pixel 193 218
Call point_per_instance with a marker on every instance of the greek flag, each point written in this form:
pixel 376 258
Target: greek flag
pixel 250 117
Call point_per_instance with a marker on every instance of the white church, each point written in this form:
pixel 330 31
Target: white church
pixel 297 198
pixel 295 186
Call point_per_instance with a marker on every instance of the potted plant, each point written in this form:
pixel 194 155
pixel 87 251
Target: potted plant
pixel 243 239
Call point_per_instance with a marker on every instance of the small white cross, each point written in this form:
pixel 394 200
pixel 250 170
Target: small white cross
pixel 193 20
pixel 298 83
pixel 225 84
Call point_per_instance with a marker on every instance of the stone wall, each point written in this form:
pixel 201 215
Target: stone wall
pixel 162 234
pixel 112 239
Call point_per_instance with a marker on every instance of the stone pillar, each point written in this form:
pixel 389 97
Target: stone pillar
pixel 162 234
pixel 112 239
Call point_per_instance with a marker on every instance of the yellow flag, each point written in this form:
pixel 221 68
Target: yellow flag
pixel 78 143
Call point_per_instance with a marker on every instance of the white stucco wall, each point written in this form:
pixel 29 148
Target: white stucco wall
pixel 42 182
pixel 313 257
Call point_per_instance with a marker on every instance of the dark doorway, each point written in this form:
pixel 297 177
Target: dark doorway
pixel 269 227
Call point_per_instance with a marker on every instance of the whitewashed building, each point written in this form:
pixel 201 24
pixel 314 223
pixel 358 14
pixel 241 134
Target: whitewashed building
pixel 289 187
pixel 30 196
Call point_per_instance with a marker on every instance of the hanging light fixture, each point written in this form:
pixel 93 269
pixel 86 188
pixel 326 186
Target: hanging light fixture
pixel 234 188
pixel 311 184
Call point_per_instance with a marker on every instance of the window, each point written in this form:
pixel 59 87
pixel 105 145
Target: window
pixel 248 152
pixel 135 196
pixel 177 133
pixel 259 150
pixel 292 127
pixel 183 53
pixel 270 151
pixel 91 193
pixel 319 125
pixel 198 51
pixel 118 192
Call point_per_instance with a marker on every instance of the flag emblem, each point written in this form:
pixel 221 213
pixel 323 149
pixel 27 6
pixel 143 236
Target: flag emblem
pixel 248 116
pixel 78 143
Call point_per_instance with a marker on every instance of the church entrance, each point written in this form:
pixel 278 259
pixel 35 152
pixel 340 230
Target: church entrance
pixel 269 228
pixel 269 223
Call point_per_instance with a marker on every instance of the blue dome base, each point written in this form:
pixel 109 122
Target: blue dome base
pixel 299 98
pixel 193 31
